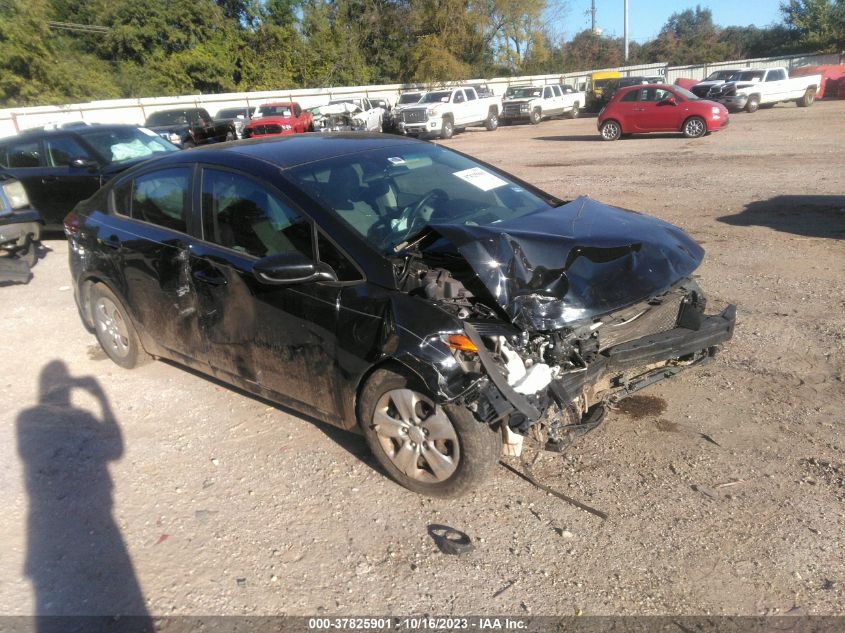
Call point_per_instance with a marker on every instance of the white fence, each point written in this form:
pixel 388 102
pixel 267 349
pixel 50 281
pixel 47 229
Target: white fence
pixel 135 111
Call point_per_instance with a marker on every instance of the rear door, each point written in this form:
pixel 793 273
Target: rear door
pixel 280 338
pixel 628 111
pixel 146 242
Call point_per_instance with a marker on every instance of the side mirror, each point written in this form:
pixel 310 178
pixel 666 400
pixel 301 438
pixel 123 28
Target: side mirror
pixel 83 163
pixel 669 101
pixel 291 268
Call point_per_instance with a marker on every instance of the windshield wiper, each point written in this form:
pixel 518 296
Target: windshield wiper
pixel 413 239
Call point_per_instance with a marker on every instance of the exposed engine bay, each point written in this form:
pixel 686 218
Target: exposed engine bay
pixel 554 385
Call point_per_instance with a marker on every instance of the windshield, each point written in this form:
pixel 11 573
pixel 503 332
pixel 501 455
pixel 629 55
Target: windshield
pixel 168 117
pixel 720 75
pixel 601 83
pixel 233 113
pixel 525 93
pixel 275 110
pixel 748 75
pixel 389 195
pixel 409 98
pixel 122 145
pixel 686 94
pixel 437 97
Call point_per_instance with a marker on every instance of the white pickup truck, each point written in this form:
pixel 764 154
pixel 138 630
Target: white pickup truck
pixel 442 112
pixel 537 102
pixel 751 89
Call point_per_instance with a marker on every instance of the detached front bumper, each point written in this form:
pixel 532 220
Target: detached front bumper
pixel 18 226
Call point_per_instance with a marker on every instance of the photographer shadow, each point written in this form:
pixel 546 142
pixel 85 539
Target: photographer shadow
pixel 76 558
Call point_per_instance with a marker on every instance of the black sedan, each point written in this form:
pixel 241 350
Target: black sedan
pixel 390 285
pixel 59 167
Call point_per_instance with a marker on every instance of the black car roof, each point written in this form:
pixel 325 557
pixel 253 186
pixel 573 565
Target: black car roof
pixel 298 149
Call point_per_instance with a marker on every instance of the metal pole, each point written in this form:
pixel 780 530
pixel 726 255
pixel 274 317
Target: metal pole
pixel 593 17
pixel 626 31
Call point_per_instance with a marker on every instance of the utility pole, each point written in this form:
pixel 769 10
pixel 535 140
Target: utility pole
pixel 626 30
pixel 593 17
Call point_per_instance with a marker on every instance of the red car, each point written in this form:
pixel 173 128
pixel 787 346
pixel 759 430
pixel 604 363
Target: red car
pixel 279 119
pixel 659 108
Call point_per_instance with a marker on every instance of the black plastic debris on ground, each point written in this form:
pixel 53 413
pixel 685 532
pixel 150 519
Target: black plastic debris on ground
pixel 449 540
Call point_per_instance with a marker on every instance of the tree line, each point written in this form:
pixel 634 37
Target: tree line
pixel 161 47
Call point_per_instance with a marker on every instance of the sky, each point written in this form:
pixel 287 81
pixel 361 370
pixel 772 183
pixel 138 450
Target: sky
pixel 646 17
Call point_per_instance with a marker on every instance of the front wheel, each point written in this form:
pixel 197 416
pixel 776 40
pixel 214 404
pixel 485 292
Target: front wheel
pixel 492 121
pixel 114 329
pixel 808 99
pixel 610 131
pixel 535 117
pixel 753 104
pixel 431 449
pixel 694 127
pixel 447 129
pixel 231 136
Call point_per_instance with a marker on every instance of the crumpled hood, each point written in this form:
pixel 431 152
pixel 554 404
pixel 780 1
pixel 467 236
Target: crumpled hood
pixel 562 266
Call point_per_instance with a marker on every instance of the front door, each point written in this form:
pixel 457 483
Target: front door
pixel 659 114
pixel 279 337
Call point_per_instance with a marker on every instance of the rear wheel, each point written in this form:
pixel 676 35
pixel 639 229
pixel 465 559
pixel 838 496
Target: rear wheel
pixel 610 130
pixel 436 450
pixel 694 127
pixel 753 104
pixel 808 99
pixel 114 329
pixel 576 110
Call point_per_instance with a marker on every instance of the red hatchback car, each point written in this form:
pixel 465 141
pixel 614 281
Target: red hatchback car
pixel 659 108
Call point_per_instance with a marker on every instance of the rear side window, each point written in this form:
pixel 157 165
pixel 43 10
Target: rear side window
pixel 22 155
pixel 60 151
pixel 241 214
pixel 630 96
pixel 162 198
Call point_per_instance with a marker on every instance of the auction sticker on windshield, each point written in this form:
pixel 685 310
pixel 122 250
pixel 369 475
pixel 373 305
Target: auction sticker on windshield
pixel 477 177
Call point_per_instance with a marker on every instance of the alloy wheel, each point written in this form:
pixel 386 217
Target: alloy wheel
pixel 112 327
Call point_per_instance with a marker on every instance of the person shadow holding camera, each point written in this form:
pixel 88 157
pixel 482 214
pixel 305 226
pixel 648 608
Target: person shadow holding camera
pixel 76 557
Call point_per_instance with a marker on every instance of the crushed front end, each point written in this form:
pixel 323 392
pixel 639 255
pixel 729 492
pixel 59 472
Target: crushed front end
pixel 565 312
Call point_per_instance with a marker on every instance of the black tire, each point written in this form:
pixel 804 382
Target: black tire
pixel 808 99
pixel 753 104
pixel 478 446
pixel 491 123
pixel 536 116
pixel 576 110
pixel 447 129
pixel 694 127
pixel 231 136
pixel 188 145
pixel 29 252
pixel 610 130
pixel 114 329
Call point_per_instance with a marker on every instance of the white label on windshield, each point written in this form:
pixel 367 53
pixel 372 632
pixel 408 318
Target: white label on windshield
pixel 147 132
pixel 477 177
pixel 396 160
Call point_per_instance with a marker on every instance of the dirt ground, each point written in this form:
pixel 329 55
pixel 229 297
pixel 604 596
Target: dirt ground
pixel 725 488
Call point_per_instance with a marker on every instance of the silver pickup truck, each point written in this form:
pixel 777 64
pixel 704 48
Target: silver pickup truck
pixel 534 103
pixel 443 112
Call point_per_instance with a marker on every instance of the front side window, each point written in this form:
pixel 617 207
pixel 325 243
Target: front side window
pixel 547 93
pixel 162 198
pixel 459 96
pixel 22 155
pixel 62 150
pixel 241 214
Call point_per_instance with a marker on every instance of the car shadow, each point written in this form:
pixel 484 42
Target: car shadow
pixel 75 558
pixel 573 137
pixel 350 441
pixel 598 139
pixel 810 216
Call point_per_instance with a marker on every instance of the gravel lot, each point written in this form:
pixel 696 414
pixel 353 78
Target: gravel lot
pixel 725 487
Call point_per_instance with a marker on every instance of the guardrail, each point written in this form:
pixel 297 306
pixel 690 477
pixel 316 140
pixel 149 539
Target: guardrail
pixel 135 111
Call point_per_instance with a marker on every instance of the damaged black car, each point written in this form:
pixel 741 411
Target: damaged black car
pixel 439 305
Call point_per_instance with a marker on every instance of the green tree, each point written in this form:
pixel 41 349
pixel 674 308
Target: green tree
pixel 818 25
pixel 688 37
